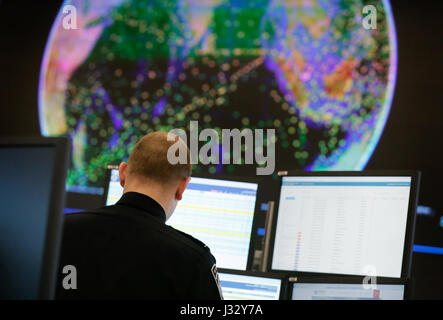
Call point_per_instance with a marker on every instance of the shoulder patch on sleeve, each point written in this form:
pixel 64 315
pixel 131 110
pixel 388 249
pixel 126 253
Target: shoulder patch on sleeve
pixel 217 280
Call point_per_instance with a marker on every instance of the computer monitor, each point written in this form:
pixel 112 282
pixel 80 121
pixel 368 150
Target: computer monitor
pixel 305 288
pixel 32 189
pixel 250 285
pixel 351 223
pixel 216 211
pixel 113 189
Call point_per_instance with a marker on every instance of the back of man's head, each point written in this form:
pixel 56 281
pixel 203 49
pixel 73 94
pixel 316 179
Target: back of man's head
pixel 149 172
pixel 149 159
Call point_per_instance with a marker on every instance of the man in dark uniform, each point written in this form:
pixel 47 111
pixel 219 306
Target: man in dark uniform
pixel 126 251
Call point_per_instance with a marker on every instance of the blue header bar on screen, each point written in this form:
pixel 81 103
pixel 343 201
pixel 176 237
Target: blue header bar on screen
pixel 347 184
pixel 223 189
pixel 247 286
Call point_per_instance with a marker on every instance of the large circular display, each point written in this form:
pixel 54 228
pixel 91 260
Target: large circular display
pixel 307 68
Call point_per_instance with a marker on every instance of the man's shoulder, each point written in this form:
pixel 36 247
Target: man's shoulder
pixel 190 244
pixel 84 215
pixel 170 237
pixel 189 240
pixel 88 217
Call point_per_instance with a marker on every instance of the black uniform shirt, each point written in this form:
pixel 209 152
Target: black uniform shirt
pixel 127 251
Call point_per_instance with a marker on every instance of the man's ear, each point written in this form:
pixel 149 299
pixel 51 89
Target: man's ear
pixel 122 171
pixel 181 188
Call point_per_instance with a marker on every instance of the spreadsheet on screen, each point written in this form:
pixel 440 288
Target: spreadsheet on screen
pixel 342 225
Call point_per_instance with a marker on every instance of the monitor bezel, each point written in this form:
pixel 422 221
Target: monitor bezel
pixel 407 294
pixel 54 226
pixel 270 275
pixel 256 180
pixel 410 223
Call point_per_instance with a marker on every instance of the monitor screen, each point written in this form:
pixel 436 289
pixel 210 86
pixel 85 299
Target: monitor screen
pixel 115 190
pixel 352 225
pixel 25 193
pixel 346 291
pixel 246 287
pixel 217 212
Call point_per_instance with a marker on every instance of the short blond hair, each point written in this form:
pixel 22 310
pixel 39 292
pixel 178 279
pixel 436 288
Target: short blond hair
pixel 149 159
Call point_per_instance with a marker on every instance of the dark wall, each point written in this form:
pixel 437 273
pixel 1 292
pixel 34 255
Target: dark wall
pixel 412 138
pixel 24 29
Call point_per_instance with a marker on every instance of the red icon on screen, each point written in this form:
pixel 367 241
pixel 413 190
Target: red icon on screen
pixel 376 294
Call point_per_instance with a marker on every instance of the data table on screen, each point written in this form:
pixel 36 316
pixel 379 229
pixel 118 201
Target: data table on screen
pixel 342 225
pixel 219 213
pixel 340 291
pixel 246 287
